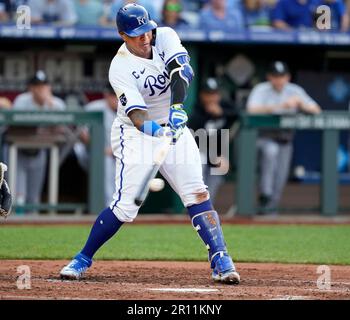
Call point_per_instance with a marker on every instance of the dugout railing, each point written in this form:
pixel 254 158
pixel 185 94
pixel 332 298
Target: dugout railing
pixel 94 120
pixel 330 123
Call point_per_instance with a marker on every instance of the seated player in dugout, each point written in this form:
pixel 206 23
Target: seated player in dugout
pixel 151 75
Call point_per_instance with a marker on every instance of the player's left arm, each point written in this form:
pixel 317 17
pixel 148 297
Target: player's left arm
pixel 181 75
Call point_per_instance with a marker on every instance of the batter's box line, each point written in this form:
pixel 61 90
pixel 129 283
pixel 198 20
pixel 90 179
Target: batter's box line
pixel 329 290
pixel 184 290
pixel 287 297
pixel 165 289
pixel 296 281
pixel 72 281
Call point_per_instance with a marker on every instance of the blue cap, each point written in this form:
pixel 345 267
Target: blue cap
pixel 134 20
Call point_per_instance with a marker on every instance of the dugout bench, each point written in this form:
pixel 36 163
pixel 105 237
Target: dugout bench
pixel 96 164
pixel 329 122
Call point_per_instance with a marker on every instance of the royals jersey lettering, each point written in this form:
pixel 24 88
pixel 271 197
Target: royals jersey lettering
pixel 145 83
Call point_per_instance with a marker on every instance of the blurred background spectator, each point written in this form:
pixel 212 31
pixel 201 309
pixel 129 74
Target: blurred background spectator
pixel 224 15
pixel 158 6
pixel 276 96
pixel 107 5
pixel 295 14
pixel 89 12
pixel 32 162
pixel 4 10
pixel 217 15
pixel 108 105
pixel 213 114
pixel 171 14
pixel 339 14
pixel 59 12
pixel 289 14
pixel 5 103
pixel 8 9
pixel 257 13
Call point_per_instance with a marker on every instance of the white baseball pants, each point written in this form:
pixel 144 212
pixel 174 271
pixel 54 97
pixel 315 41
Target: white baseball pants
pixel 134 152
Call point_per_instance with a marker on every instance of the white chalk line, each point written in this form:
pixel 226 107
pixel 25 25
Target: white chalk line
pixel 72 281
pixel 287 297
pixel 184 290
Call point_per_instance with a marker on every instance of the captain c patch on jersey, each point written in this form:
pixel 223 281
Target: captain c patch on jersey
pixel 123 100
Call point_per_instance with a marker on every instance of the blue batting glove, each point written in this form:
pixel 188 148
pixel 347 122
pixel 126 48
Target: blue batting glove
pixel 177 117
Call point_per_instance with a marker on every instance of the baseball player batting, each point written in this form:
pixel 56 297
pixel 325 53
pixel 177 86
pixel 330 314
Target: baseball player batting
pixel 151 75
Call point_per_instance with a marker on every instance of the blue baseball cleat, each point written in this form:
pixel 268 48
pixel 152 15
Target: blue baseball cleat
pixel 224 270
pixel 76 268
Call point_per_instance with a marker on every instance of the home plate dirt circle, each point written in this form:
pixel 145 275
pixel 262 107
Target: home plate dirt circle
pixel 171 280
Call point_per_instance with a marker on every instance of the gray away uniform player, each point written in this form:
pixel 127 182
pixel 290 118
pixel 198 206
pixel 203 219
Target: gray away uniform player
pixel 151 75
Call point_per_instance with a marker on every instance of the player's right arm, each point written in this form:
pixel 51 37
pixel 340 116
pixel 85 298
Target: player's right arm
pixel 141 121
pixel 132 104
pixel 138 118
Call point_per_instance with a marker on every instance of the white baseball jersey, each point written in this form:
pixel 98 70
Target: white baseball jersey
pixel 145 83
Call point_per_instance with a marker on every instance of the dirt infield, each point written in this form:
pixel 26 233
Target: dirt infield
pixel 141 280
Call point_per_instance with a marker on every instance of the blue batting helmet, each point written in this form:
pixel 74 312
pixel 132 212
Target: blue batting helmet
pixel 134 20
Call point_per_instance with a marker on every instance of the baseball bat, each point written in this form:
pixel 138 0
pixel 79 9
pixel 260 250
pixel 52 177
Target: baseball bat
pixel 158 160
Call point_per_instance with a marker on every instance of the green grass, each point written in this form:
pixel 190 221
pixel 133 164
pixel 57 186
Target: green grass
pixel 286 243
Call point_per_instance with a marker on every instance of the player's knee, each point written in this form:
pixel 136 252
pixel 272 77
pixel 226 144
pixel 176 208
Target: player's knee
pixel 124 215
pixel 196 197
